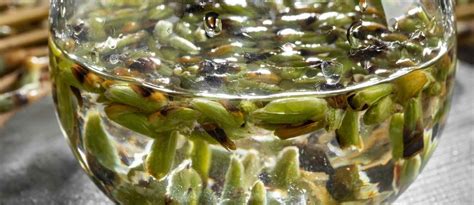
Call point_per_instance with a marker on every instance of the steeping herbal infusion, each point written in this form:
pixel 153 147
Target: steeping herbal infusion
pixel 252 102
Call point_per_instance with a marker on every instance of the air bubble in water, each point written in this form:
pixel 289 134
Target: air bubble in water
pixel 111 43
pixel 392 24
pixel 212 24
pixel 332 71
pixel 114 59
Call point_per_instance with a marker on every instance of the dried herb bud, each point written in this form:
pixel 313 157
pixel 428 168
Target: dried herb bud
pixel 219 135
pixel 143 65
pixel 214 81
pixel 367 52
pixel 253 57
pixel 79 72
pixel 287 132
pixel 207 67
pixel 339 101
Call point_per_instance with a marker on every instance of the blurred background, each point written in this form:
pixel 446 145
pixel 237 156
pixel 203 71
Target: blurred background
pixel 23 54
pixel 36 166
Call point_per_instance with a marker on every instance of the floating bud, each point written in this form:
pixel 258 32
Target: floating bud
pixel 212 24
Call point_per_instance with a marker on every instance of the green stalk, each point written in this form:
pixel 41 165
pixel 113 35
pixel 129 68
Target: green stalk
pixel 287 168
pixel 258 195
pixel 396 135
pixel 364 99
pixel 334 118
pixel 247 106
pixel 208 197
pixel 413 131
pixel 200 35
pixel 121 3
pixel 379 112
pixel 429 147
pixel 137 97
pixel 218 113
pixel 410 170
pixel 183 30
pixel 252 168
pixel 291 111
pixel 183 44
pixel 97 31
pixel 161 157
pixel 238 10
pixel 201 157
pixel 348 133
pixel 97 143
pixel 66 108
pixel 163 30
pixel 185 186
pixel 180 118
pixel 410 85
pixel 129 194
pixel 160 12
pixel 192 198
pixel 130 118
pixel 338 21
pixel 234 192
pixel 287 132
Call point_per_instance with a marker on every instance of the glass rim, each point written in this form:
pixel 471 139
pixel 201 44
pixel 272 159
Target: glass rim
pixel 448 44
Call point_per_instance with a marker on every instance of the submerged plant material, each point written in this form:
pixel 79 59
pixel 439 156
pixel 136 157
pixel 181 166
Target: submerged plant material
pixel 97 142
pixel 241 55
pixel 274 102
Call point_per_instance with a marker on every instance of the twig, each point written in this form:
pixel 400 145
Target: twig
pixel 29 88
pixel 12 60
pixel 465 11
pixel 24 39
pixel 466 33
pixel 7 81
pixel 24 15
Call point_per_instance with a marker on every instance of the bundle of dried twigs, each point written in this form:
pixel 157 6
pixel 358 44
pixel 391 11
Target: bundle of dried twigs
pixel 23 54
pixel 465 16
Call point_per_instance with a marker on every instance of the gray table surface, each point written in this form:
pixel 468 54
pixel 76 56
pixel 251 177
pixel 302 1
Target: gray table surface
pixel 37 167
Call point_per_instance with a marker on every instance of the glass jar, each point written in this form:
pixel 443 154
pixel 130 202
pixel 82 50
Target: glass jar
pixel 252 102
